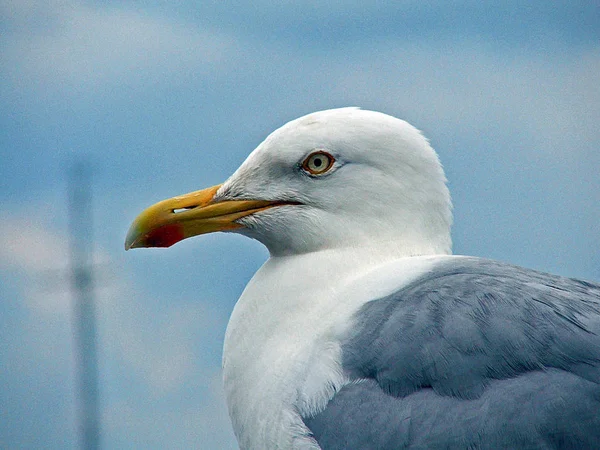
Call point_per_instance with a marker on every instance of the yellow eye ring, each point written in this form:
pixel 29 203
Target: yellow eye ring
pixel 317 163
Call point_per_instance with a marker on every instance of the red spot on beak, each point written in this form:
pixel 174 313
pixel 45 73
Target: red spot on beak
pixel 164 236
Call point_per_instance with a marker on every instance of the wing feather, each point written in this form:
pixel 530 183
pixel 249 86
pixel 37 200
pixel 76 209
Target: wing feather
pixel 476 354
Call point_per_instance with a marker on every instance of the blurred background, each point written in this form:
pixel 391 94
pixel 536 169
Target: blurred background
pixel 160 98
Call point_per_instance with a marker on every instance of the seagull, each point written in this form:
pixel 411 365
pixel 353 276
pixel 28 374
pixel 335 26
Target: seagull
pixel 362 330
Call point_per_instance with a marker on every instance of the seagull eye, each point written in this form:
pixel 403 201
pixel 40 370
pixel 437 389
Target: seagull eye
pixel 318 163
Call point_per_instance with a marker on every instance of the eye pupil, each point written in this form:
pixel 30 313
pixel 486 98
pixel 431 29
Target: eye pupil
pixel 318 162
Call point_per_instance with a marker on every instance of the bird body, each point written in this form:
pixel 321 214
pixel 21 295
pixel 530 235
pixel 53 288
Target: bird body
pixel 362 330
pixel 282 355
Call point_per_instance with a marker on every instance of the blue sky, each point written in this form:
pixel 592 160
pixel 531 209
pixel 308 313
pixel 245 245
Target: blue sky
pixel 167 97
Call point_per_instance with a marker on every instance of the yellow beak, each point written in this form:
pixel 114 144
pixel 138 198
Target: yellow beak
pixel 184 216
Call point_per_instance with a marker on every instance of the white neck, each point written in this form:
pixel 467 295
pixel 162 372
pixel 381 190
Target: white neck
pixel 281 355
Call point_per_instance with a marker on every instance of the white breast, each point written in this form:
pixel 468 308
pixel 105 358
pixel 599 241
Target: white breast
pixel 282 357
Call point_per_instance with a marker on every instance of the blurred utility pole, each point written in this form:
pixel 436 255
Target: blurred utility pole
pixel 80 215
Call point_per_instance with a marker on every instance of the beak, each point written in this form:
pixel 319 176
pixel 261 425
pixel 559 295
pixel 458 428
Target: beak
pixel 178 218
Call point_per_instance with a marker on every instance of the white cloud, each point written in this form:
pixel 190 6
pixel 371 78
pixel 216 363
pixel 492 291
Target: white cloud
pixel 73 45
pixel 41 256
pixel 29 246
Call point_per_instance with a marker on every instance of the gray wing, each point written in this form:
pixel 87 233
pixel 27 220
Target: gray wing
pixel 477 354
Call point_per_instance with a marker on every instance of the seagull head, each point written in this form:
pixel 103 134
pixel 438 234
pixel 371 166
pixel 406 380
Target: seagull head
pixel 341 178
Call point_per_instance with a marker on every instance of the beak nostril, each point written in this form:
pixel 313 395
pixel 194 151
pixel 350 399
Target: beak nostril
pixel 180 210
